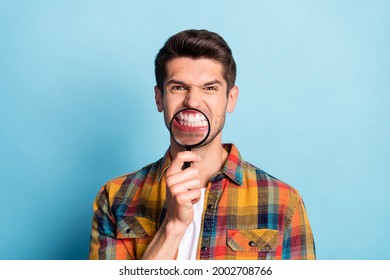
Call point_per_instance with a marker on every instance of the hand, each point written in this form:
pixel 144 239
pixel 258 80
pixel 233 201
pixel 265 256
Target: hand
pixel 183 189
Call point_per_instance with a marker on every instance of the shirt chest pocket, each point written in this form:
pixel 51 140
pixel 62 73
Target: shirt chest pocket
pixel 135 227
pixel 252 243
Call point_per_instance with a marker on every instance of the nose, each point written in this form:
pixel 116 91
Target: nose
pixel 193 98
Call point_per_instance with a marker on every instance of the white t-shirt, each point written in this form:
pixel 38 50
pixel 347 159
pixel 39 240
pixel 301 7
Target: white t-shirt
pixel 189 243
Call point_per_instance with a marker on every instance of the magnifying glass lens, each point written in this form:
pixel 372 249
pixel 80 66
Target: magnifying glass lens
pixel 189 128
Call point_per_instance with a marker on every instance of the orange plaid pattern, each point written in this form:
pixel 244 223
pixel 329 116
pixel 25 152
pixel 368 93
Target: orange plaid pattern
pixel 248 215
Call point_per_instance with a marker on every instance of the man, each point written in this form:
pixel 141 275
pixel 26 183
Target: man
pixel 221 207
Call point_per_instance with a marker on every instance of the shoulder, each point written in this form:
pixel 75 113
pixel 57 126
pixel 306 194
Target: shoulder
pixel 256 176
pixel 135 179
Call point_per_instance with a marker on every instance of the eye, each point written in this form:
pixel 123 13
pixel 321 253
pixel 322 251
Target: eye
pixel 211 88
pixel 178 88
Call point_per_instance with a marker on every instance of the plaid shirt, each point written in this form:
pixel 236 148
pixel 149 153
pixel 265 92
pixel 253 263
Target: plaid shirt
pixel 248 214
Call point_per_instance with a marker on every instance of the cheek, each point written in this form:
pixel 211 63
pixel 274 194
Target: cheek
pixel 218 120
pixel 171 104
pixel 168 112
pixel 167 120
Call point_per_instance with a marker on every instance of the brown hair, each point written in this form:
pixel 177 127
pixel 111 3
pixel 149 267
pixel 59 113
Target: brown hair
pixel 195 44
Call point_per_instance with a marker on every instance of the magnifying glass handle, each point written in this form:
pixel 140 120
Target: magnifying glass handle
pixel 187 163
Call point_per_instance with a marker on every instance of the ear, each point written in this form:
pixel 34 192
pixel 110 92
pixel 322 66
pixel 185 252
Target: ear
pixel 158 96
pixel 232 99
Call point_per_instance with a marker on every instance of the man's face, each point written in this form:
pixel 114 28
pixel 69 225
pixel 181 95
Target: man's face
pixel 199 84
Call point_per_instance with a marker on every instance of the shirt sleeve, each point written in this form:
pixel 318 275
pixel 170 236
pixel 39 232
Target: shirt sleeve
pixel 298 242
pixel 103 242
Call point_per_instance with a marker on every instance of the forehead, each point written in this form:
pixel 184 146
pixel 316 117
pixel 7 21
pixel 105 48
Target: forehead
pixel 194 71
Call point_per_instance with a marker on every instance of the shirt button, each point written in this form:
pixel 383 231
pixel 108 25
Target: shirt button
pixel 128 230
pixel 252 244
pixel 203 248
pixel 210 206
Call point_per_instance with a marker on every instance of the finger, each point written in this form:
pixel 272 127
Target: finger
pixel 185 186
pixel 195 201
pixel 188 174
pixel 187 198
pixel 178 161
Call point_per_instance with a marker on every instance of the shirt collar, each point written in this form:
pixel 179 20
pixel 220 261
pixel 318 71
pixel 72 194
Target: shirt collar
pixel 166 162
pixel 232 167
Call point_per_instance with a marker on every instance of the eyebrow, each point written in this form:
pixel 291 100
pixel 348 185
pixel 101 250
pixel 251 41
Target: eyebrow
pixel 213 83
pixel 173 81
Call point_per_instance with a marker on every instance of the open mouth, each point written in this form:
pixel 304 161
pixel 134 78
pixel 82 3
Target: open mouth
pixel 191 120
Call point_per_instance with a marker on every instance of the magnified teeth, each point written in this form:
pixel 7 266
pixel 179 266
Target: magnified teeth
pixel 192 120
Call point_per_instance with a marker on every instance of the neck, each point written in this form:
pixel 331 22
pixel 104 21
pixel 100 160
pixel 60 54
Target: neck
pixel 213 157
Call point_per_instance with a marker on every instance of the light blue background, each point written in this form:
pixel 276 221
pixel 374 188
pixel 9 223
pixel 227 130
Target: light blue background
pixel 77 108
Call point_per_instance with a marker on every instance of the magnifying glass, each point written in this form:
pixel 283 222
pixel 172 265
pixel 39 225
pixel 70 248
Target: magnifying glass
pixel 189 128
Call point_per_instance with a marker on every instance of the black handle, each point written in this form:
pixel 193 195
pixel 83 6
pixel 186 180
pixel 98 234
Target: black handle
pixel 187 164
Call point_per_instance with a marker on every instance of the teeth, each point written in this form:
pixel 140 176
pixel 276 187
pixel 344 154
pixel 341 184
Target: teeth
pixel 192 120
